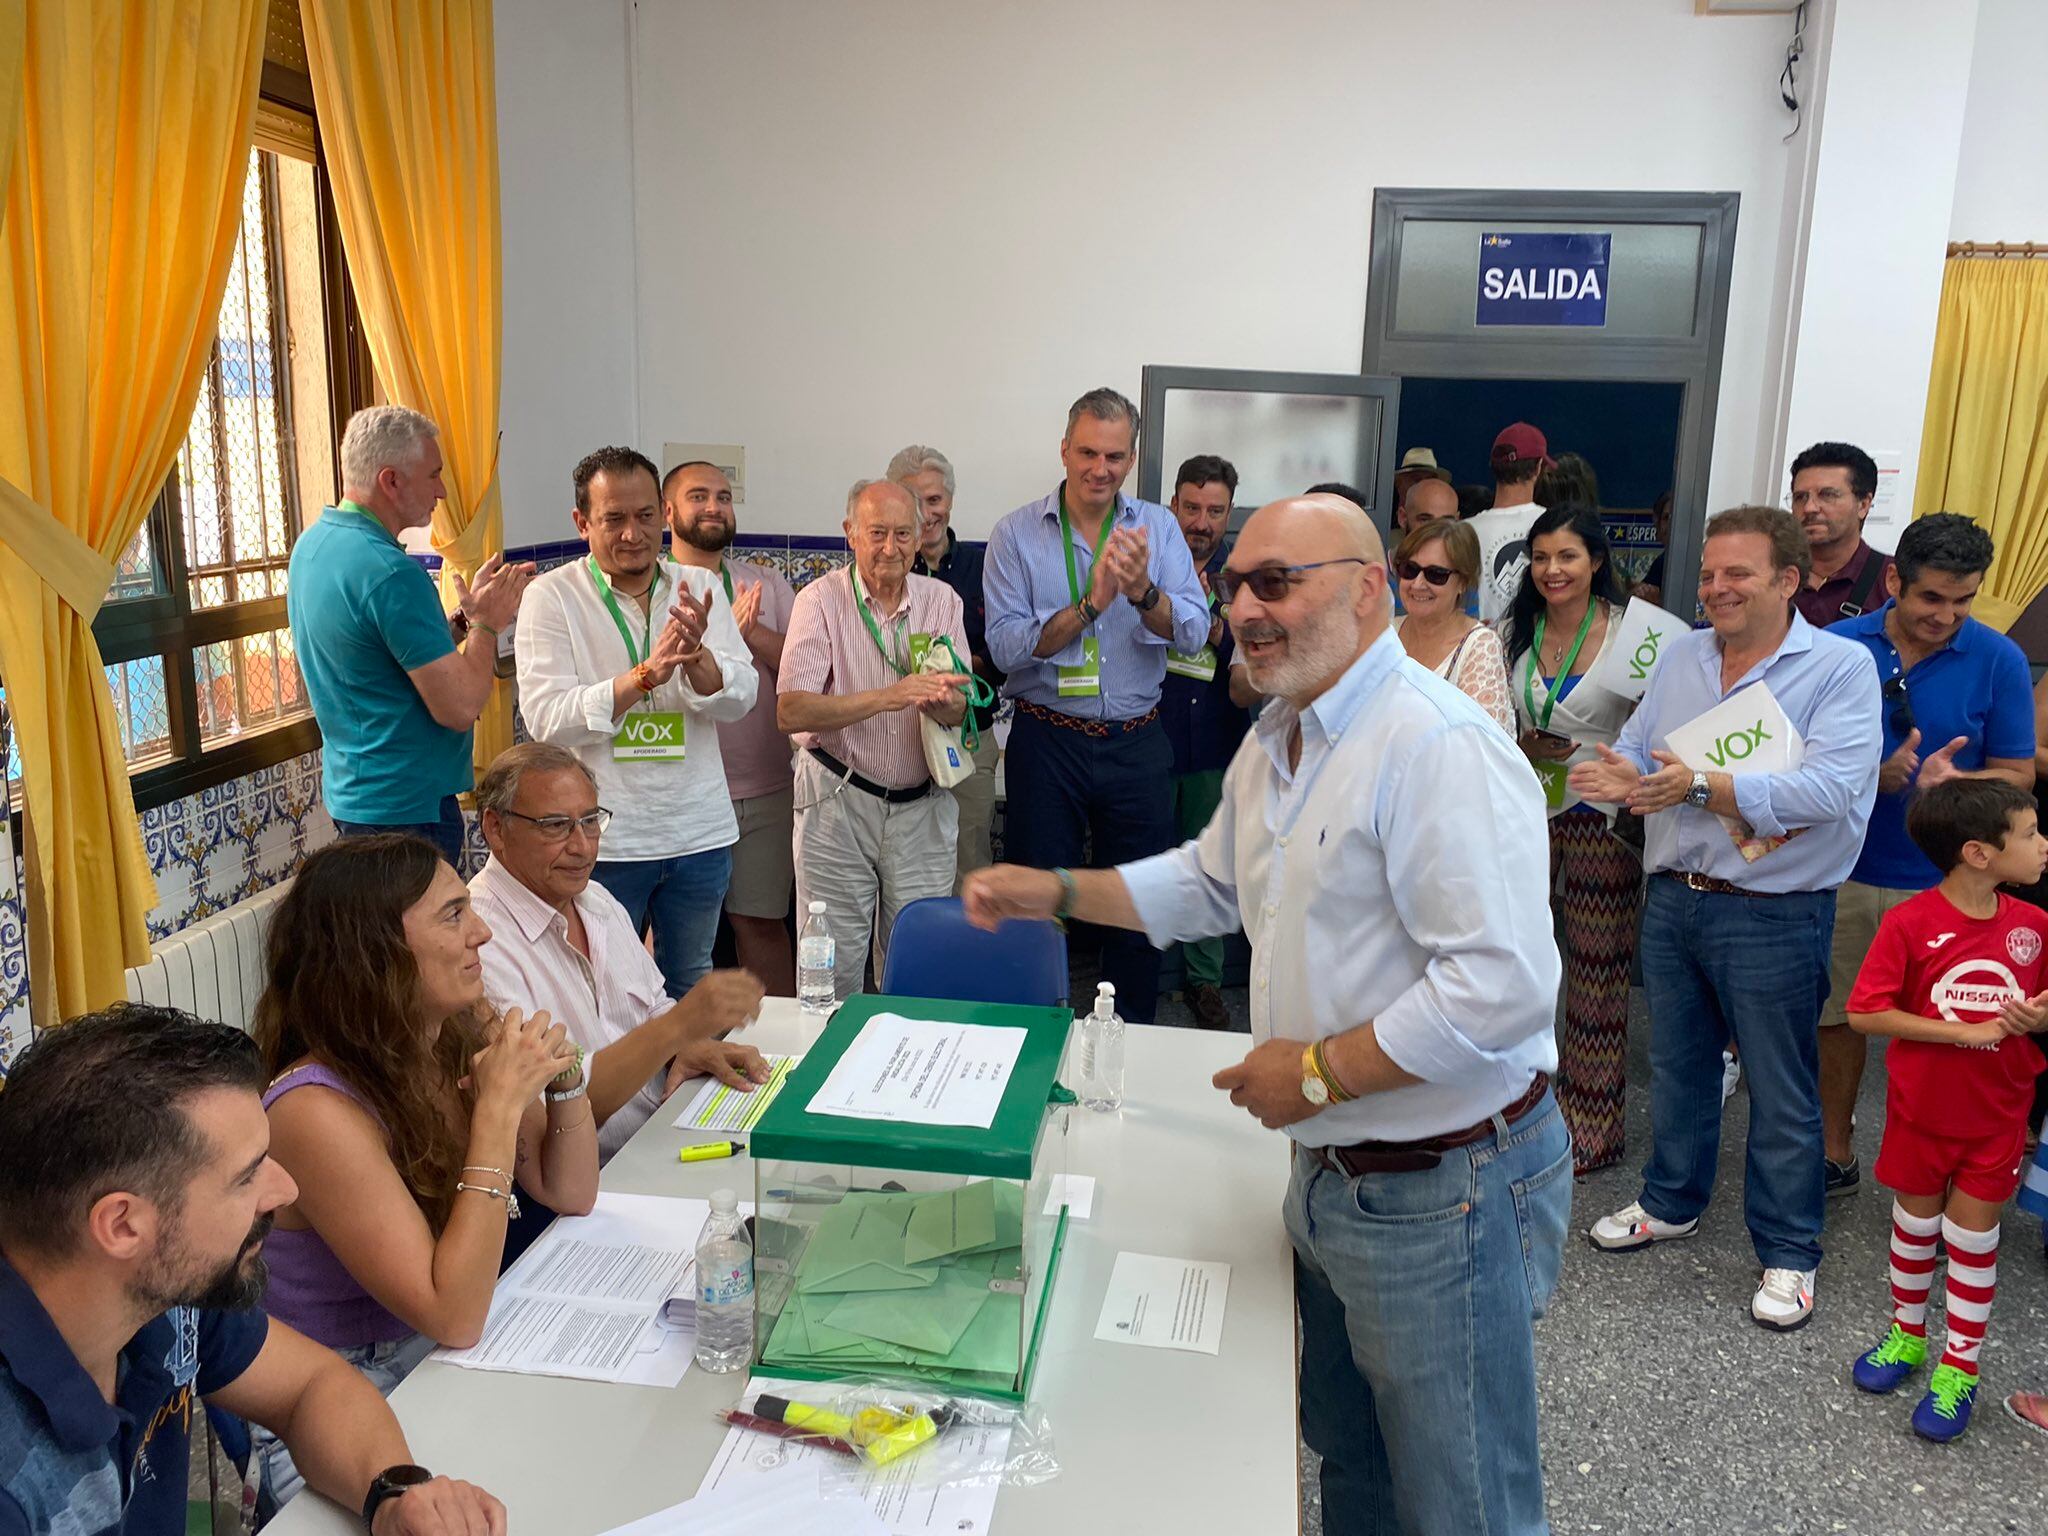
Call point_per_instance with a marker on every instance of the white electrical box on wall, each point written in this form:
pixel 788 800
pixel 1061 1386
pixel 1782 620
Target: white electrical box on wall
pixel 731 458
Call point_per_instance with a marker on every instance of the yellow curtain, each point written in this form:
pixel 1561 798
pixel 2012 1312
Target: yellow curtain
pixel 1984 445
pixel 122 208
pixel 407 99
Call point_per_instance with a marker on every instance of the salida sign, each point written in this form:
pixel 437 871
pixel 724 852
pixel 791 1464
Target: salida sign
pixel 1543 279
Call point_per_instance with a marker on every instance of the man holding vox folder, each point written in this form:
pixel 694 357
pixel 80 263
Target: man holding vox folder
pixel 1754 758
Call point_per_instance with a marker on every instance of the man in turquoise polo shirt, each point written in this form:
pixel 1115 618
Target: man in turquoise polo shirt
pixel 1958 703
pixel 395 685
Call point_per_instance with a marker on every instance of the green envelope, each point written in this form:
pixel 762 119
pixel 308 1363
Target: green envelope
pixel 930 1321
pixel 859 1246
pixel 975 1218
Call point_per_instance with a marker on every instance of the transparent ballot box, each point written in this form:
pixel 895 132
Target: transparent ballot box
pixel 888 1246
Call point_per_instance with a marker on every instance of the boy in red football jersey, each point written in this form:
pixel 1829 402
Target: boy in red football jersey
pixel 1955 979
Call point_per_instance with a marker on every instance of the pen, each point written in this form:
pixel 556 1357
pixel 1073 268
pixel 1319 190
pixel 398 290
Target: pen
pixel 709 1150
pixel 782 1431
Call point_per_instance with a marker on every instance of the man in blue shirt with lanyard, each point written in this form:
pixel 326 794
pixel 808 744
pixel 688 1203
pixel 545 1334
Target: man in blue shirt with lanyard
pixel 396 687
pixel 1741 905
pixel 1202 703
pixel 1087 591
pixel 1958 703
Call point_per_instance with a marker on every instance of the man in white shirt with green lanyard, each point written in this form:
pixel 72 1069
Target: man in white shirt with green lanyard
pixel 628 659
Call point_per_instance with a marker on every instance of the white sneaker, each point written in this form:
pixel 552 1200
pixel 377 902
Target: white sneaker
pixel 1731 1074
pixel 1634 1227
pixel 1784 1300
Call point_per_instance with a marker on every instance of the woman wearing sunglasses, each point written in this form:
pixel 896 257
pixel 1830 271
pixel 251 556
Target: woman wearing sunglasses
pixel 1437 565
pixel 1557 628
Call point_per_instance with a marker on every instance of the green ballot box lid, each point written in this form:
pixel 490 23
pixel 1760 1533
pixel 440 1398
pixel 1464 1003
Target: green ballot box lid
pixel 1004 1150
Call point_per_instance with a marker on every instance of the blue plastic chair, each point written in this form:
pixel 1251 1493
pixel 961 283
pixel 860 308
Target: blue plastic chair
pixel 935 952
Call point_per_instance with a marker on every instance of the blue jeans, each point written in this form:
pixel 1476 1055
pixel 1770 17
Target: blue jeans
pixel 1418 1360
pixel 1754 968
pixel 680 899
pixel 385 1364
pixel 445 834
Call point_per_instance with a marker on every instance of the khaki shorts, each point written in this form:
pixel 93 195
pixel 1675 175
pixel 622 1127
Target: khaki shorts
pixel 1858 908
pixel 763 860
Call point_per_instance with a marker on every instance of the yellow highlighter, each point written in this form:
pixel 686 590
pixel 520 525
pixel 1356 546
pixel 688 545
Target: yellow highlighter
pixel 710 1150
pixel 880 1434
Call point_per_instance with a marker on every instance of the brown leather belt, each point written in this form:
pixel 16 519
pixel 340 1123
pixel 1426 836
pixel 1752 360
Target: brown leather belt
pixel 1363 1157
pixel 1087 727
pixel 1712 885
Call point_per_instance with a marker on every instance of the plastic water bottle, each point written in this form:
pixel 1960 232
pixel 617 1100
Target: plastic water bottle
pixel 816 957
pixel 1102 1053
pixel 725 1288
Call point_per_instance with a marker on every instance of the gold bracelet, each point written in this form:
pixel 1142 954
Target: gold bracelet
pixel 1338 1092
pixel 556 1130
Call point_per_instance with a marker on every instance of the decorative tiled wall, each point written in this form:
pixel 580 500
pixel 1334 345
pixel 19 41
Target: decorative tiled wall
pixel 225 844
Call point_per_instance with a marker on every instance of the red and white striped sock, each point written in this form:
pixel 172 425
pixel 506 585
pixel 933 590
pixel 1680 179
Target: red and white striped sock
pixel 1912 1268
pixel 1972 1282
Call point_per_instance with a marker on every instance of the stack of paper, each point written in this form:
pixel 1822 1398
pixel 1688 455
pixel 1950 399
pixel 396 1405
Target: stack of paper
pixel 931 1283
pixel 733 1112
pixel 587 1300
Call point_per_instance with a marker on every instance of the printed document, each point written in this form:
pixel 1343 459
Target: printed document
pixel 586 1300
pixel 757 1506
pixel 922 1072
pixel 1165 1303
pixel 726 1111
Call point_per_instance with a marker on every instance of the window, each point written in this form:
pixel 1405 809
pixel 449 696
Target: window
pixel 199 656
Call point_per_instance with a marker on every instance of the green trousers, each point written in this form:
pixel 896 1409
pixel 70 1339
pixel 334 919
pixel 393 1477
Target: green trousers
pixel 1195 798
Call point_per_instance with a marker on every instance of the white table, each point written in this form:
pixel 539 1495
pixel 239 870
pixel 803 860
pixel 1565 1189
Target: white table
pixel 1147 1439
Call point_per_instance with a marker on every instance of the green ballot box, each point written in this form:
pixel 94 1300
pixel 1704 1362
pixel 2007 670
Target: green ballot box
pixel 902 1177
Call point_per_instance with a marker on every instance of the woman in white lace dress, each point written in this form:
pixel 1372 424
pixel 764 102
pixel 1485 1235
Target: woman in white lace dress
pixel 1437 566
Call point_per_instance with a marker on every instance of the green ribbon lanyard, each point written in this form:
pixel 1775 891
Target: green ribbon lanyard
pixel 725 576
pixel 1555 691
pixel 1067 532
pixel 860 598
pixel 604 590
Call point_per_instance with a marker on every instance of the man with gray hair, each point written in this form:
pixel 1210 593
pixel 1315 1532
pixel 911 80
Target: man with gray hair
pixel 395 686
pixel 562 942
pixel 1088 590
pixel 872 832
pixel 928 475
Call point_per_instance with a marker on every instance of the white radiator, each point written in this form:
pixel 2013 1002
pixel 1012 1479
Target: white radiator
pixel 214 968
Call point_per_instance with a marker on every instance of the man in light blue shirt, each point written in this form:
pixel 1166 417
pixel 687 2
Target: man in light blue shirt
pixel 395 689
pixel 1736 934
pixel 1087 590
pixel 1384 844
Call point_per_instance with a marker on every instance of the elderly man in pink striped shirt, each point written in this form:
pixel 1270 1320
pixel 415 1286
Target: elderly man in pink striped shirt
pixel 562 942
pixel 873 834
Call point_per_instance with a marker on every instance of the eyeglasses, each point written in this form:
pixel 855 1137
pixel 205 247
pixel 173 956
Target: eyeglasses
pixel 1435 575
pixel 1899 705
pixel 556 829
pixel 1270 583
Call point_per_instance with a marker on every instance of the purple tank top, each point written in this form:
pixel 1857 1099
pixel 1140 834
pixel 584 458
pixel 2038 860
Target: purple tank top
pixel 309 1288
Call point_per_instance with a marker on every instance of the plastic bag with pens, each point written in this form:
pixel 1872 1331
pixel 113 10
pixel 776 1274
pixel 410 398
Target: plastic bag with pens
pixel 904 1432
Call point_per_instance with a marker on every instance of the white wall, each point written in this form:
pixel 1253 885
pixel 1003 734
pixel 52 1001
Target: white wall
pixel 2002 181
pixel 1876 232
pixel 566 193
pixel 915 220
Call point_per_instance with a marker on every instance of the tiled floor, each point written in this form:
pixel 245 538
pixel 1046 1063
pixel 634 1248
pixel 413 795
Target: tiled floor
pixel 1666 1409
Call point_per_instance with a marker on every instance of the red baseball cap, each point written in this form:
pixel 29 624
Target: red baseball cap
pixel 1518 442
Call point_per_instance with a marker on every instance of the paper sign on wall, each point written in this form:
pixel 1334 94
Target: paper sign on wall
pixel 1543 279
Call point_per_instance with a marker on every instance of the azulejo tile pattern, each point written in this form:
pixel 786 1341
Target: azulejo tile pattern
pixel 225 844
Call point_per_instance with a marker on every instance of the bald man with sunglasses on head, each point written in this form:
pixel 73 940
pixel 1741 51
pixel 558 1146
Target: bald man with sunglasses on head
pixel 1401 999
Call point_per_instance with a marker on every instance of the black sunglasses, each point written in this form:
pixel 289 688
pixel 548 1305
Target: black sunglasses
pixel 1900 706
pixel 1435 575
pixel 1270 583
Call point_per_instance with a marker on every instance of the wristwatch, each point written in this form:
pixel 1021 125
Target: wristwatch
pixel 1697 795
pixel 1150 600
pixel 1313 1088
pixel 389 1484
pixel 1089 612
